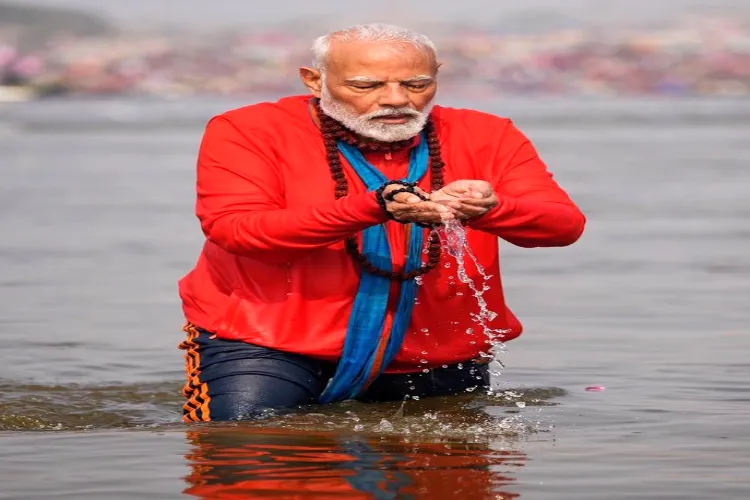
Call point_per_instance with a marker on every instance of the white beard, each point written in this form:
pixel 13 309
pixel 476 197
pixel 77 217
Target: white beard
pixel 364 125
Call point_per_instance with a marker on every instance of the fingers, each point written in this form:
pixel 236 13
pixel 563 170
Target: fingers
pixel 452 203
pixel 420 207
pixel 423 211
pixel 407 198
pixel 471 212
pixel 462 200
pixel 473 207
pixel 444 197
pixel 469 189
pixel 451 191
pixel 468 208
pixel 478 202
pixel 454 191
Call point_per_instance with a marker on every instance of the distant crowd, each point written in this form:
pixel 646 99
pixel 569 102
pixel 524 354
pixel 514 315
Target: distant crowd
pixel 700 57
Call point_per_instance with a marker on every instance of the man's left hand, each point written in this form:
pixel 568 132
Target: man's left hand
pixel 476 198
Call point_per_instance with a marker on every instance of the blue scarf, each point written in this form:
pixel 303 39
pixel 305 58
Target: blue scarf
pixel 367 321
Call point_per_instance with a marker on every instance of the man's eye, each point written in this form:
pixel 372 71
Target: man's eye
pixel 417 86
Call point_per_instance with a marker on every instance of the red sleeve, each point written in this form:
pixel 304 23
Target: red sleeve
pixel 241 203
pixel 534 211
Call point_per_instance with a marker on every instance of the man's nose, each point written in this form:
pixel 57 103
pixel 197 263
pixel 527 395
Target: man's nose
pixel 394 95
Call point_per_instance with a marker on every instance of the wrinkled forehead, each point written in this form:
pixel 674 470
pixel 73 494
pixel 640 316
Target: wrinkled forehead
pixel 379 60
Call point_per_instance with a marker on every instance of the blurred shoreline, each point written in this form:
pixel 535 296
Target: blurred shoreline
pixel 695 56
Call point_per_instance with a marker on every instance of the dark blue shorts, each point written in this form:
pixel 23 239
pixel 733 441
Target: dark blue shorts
pixel 232 380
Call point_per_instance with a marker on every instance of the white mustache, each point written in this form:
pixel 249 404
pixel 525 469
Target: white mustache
pixel 393 112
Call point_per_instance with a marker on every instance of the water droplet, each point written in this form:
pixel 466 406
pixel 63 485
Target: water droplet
pixel 385 426
pixel 416 398
pixel 470 389
pixel 411 387
pixel 470 331
pixel 445 366
pixel 425 330
pixel 472 342
pixel 447 265
pixel 460 366
pixel 359 427
pixel 424 352
pixel 423 361
pixel 520 404
pixel 426 370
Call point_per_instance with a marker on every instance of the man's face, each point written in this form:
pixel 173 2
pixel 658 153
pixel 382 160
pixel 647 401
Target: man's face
pixel 381 90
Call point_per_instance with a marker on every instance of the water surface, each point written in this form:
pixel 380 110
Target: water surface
pixel 652 303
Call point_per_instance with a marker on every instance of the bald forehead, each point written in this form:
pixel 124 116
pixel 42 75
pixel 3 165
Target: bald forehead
pixel 352 56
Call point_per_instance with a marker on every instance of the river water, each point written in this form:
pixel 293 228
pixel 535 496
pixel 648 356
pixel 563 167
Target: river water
pixel 653 304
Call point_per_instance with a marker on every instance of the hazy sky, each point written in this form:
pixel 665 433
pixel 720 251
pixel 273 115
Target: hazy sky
pixel 221 12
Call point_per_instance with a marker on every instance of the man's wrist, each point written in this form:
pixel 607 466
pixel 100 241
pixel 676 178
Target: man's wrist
pixel 388 190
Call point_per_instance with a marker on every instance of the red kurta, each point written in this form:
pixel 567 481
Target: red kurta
pixel 274 270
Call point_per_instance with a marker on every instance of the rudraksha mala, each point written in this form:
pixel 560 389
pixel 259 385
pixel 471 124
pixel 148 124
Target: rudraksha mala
pixel 333 132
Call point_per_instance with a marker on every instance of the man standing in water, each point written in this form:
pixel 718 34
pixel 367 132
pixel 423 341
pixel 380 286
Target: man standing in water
pixel 320 279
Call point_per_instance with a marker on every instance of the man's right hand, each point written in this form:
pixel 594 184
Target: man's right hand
pixel 408 207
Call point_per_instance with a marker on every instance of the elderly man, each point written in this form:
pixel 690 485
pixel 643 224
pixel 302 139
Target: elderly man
pixel 322 277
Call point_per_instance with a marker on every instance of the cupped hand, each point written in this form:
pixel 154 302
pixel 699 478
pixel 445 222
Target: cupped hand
pixel 469 198
pixel 410 207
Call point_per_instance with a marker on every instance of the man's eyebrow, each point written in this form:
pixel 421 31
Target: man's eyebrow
pixel 369 79
pixel 418 78
pixel 363 79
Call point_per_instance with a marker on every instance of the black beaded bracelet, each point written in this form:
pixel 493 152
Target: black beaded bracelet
pixel 392 194
pixel 407 187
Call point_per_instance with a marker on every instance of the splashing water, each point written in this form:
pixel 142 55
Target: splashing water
pixel 454 242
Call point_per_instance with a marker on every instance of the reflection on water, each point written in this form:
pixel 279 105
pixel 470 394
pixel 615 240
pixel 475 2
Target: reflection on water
pixel 241 462
pixel 431 448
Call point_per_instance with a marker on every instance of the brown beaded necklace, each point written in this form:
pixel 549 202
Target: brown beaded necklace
pixel 333 132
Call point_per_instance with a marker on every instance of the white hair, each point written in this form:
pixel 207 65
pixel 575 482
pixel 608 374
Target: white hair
pixel 369 33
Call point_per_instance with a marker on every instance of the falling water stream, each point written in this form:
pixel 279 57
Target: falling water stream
pixel 455 243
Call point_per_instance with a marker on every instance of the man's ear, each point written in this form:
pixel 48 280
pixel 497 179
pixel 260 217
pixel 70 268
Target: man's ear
pixel 312 79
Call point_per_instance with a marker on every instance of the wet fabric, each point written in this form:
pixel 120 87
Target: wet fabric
pixel 235 380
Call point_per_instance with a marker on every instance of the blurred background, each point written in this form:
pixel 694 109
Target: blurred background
pixel 179 48
pixel 640 108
